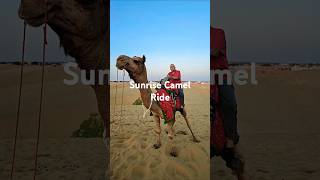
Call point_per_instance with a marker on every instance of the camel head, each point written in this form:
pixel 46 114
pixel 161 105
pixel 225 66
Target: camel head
pixel 75 21
pixel 135 67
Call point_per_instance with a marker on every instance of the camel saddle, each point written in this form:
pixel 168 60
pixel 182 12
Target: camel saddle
pixel 167 106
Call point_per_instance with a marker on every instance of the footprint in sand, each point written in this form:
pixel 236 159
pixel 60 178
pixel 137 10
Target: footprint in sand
pixel 182 132
pixel 143 145
pixel 138 172
pixel 263 171
pixel 309 171
pixel 153 164
pixel 134 156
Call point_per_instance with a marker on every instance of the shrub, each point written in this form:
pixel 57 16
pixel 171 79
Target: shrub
pixel 137 102
pixel 90 128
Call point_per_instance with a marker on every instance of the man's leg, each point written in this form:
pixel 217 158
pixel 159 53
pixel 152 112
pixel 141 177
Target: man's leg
pixel 213 109
pixel 229 113
pixel 181 94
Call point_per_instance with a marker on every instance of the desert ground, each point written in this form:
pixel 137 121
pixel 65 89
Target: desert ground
pixel 65 107
pixel 279 126
pixel 132 138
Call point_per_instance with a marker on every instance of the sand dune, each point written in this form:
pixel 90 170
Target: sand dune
pixel 65 107
pixel 278 122
pixel 132 137
pixel 68 159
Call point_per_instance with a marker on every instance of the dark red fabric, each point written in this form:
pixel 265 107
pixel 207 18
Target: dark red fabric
pixel 175 74
pixel 178 103
pixel 217 139
pixel 218 41
pixel 166 106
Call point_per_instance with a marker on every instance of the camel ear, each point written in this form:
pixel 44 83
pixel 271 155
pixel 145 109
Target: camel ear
pixel 143 59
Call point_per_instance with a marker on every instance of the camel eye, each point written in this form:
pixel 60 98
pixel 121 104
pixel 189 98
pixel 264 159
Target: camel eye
pixel 136 61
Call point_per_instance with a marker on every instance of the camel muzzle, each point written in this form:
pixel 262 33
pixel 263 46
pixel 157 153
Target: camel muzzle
pixel 122 62
pixel 32 17
pixel 122 66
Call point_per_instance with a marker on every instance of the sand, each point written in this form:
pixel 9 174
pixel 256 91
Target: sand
pixel 132 138
pixel 65 107
pixel 278 124
pixel 279 127
pixel 69 158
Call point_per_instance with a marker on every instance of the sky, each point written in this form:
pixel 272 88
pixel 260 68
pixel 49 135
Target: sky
pixel 257 31
pixel 280 31
pixel 11 38
pixel 165 32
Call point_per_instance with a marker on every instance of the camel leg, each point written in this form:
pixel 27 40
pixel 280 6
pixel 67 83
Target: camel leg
pixel 157 131
pixel 173 149
pixel 184 114
pixel 167 127
pixel 102 96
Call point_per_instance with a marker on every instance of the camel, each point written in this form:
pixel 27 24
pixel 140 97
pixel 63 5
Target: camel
pixel 82 34
pixel 83 29
pixel 137 71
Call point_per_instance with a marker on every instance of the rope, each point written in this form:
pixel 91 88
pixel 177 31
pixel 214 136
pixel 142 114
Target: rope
pixel 41 92
pixel 145 112
pixel 122 94
pixel 19 99
pixel 121 97
pixel 115 99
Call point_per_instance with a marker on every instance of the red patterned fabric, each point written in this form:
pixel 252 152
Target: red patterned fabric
pixel 166 106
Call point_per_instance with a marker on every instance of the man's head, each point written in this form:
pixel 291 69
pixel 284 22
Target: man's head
pixel 172 67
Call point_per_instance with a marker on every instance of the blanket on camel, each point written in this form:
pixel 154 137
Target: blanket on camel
pixel 167 106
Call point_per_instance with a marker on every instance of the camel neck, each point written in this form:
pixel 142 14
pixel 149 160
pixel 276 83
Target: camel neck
pixel 145 93
pixel 141 79
pixel 145 96
pixel 94 57
pixel 88 53
pixel 145 90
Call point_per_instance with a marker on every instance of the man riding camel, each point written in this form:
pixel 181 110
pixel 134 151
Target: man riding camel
pixel 174 76
pixel 227 100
